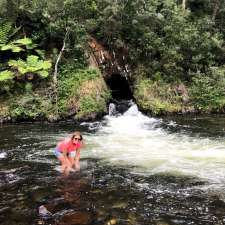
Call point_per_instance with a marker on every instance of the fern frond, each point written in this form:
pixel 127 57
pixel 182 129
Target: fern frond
pixel 5 29
pixel 14 31
pixel 32 65
pixel 11 47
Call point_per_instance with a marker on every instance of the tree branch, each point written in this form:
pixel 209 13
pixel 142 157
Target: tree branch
pixel 184 4
pixel 215 10
pixel 55 75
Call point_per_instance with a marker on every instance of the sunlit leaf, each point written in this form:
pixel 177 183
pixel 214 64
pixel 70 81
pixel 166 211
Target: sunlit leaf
pixel 46 65
pixel 6 75
pixel 32 65
pixel 23 41
pixel 11 47
pixel 43 73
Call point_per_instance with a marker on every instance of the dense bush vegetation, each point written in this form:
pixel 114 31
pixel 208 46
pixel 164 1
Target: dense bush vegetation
pixel 82 91
pixel 166 43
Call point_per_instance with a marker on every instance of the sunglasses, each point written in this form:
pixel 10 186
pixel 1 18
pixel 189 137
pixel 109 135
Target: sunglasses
pixel 77 139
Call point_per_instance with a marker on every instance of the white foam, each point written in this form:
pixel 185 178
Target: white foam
pixel 3 155
pixel 58 168
pixel 133 139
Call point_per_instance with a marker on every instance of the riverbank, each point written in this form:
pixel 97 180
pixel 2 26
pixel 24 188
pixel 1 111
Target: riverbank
pixel 87 99
pixel 47 48
pixel 159 98
pixel 85 90
pixel 82 95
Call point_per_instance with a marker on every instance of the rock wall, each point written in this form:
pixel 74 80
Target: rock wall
pixel 109 62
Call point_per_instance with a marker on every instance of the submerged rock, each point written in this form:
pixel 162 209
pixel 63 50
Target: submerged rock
pixel 182 91
pixel 161 223
pixel 132 218
pixel 112 109
pixel 112 222
pixel 43 212
pixel 75 218
pixel 119 205
pixel 4 209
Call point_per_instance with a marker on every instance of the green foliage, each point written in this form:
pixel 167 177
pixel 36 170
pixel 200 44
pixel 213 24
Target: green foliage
pixel 18 45
pixel 23 41
pixel 6 75
pixel 30 107
pixel 6 81
pixel 71 80
pixel 162 43
pixel 82 92
pixel 28 87
pixel 161 36
pixel 157 97
pixel 10 43
pixel 5 29
pixel 89 104
pixel 207 91
pixel 32 65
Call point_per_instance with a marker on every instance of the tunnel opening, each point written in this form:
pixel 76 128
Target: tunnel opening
pixel 122 96
pixel 119 87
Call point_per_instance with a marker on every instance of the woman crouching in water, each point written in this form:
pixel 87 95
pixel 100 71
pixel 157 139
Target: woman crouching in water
pixel 68 152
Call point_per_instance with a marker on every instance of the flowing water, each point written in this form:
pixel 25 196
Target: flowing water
pixel 134 170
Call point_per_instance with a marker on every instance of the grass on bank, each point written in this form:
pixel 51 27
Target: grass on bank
pixel 205 94
pixel 157 97
pixel 82 93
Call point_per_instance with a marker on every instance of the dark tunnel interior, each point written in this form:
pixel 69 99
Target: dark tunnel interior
pixel 119 87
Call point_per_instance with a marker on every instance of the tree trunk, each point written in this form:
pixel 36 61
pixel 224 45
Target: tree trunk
pixel 55 75
pixel 183 4
pixel 215 9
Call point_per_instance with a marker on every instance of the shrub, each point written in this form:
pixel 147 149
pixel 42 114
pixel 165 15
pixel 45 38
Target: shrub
pixel 157 97
pixel 207 90
pixel 30 107
pixel 6 80
pixel 82 92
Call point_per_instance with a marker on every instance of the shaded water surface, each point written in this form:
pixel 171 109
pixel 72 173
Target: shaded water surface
pixel 134 170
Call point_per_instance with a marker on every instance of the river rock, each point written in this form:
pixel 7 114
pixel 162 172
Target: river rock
pixel 76 218
pixel 43 212
pixel 112 222
pixel 161 223
pixel 40 222
pixel 182 91
pixel 119 205
pixel 52 118
pixel 39 195
pixel 132 218
pixel 4 209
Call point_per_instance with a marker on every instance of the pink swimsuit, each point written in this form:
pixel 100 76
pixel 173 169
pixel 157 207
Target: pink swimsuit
pixel 68 145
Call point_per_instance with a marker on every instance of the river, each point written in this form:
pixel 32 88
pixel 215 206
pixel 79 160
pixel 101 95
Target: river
pixel 135 170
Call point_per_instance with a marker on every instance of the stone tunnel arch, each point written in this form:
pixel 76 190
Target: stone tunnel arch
pixel 119 87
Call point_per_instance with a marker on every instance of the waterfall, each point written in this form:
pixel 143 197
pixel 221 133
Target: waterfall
pixel 112 109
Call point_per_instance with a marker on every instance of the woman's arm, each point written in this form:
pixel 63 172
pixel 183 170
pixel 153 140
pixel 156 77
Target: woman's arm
pixel 77 159
pixel 64 152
